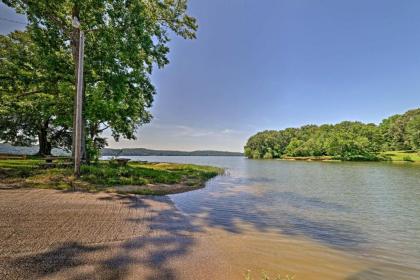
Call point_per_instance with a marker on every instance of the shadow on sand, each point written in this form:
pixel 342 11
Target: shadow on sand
pixel 280 212
pixel 170 236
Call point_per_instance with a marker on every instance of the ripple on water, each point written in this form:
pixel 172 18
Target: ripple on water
pixel 363 216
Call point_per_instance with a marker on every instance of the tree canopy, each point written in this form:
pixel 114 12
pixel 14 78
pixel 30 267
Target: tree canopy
pixel 346 140
pixel 125 40
pixel 35 93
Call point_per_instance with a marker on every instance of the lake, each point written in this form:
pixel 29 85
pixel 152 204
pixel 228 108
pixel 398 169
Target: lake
pixel 314 220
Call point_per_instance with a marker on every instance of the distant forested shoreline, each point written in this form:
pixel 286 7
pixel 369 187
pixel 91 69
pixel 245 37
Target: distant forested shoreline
pixel 148 152
pixel 348 140
pixel 32 150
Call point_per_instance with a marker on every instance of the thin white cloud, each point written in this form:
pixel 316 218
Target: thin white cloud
pixel 159 135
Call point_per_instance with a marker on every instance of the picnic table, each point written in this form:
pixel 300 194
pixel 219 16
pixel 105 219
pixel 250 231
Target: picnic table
pixel 122 161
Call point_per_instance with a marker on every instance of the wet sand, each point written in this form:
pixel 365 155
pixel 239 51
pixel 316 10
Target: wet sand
pixel 46 234
pixel 282 256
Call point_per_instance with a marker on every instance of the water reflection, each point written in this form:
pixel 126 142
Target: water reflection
pixel 369 210
pixel 267 210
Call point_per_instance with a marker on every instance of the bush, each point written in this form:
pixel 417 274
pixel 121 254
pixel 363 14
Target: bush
pixel 408 158
pixel 268 155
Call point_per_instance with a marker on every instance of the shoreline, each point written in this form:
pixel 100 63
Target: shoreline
pixel 384 156
pixel 75 235
pixel 143 178
pixel 317 159
pixel 52 234
pixel 154 189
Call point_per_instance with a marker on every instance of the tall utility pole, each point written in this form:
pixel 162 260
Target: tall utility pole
pixel 79 101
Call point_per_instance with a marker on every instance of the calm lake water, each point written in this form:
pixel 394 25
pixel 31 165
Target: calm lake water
pixel 370 212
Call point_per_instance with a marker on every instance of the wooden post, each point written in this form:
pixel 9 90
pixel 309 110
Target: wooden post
pixel 79 107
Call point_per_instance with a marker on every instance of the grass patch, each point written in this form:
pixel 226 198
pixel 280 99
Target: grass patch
pixel 17 168
pixel 407 156
pixel 106 176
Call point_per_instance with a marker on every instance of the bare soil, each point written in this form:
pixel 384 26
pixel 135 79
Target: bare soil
pixel 48 234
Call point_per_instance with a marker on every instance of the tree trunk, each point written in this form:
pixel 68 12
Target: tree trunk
pixel 44 145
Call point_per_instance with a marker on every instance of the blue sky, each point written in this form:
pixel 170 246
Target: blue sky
pixel 273 64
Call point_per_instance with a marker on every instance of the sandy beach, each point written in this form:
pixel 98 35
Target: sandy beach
pixel 48 234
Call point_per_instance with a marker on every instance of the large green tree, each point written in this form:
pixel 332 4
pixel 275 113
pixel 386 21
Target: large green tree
pixel 124 41
pixel 34 93
pixel 402 132
pixel 413 132
pixel 346 140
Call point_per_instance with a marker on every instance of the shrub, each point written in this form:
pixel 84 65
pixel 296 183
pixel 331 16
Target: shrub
pixel 408 158
pixel 268 155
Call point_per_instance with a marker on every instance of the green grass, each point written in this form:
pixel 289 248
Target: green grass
pixel 407 156
pixel 17 168
pixel 148 173
pixel 104 175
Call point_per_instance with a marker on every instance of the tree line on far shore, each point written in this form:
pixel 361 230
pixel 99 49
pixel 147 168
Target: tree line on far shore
pixel 348 140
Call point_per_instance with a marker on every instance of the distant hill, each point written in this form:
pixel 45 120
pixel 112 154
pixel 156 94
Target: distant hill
pixel 18 150
pixel 9 149
pixel 147 152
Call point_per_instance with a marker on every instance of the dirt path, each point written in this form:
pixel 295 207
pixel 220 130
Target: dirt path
pixel 46 234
